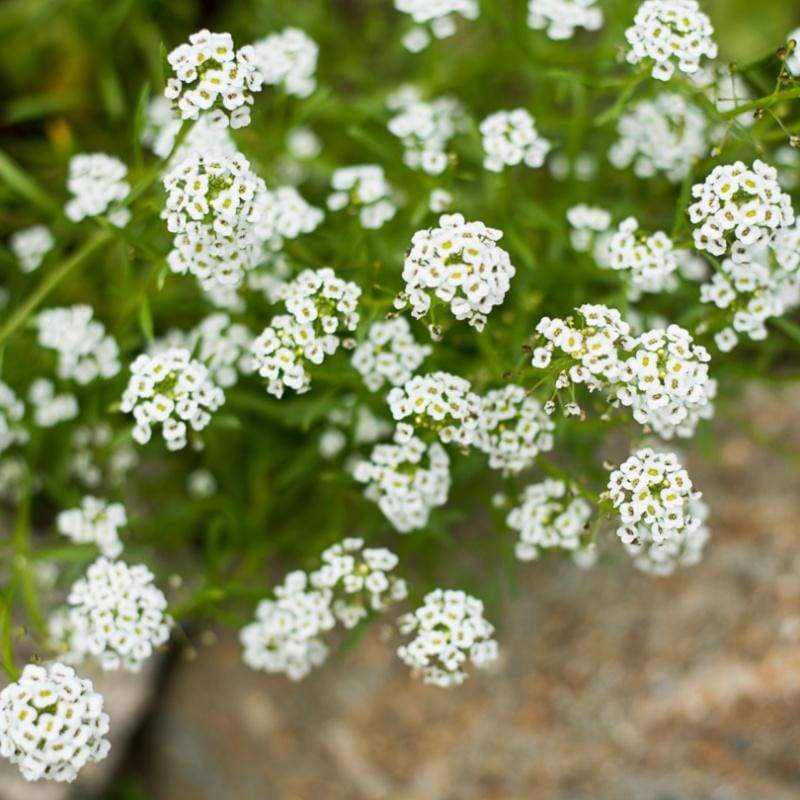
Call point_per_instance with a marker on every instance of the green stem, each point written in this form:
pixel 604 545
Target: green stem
pixel 762 102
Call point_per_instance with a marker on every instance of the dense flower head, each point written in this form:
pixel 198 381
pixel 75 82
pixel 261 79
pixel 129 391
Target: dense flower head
pixel 458 264
pixel 52 723
pixel 666 134
pixel 736 207
pixel 85 351
pixel 282 213
pixel 212 78
pixel 171 389
pixel 97 184
pixel 549 515
pixel 288 59
pixel 654 497
pixel 364 189
pixel 116 615
pixel 436 17
pixel 95 521
pixel 211 208
pixel 512 429
pixel 425 128
pixel 12 411
pixel 49 408
pixel 438 402
pixel 672 34
pixel 360 579
pixel 389 354
pixel 450 631
pixel 31 245
pixel 511 138
pixel 586 222
pixel 407 480
pixel 561 17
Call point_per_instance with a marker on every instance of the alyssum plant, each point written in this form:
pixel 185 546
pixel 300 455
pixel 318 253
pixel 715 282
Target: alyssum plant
pixel 329 376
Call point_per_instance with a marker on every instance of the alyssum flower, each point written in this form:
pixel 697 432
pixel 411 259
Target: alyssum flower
pixel 97 183
pixel 31 245
pixel 364 189
pixel 561 17
pixel 511 138
pixel 288 59
pixel 435 17
pixel 96 521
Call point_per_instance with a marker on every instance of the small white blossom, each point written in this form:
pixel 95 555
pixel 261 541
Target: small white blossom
pixel 302 143
pixel 586 222
pixel 12 410
pixel 282 213
pixel 562 17
pixel 50 409
pixel 31 245
pixel 440 200
pixel 511 138
pixel 793 59
pixel 434 17
pixel 364 189
pixel 97 522
pixel 201 483
pixel 288 59
pixel 97 183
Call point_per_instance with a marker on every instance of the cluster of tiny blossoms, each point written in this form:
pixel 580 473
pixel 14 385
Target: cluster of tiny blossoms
pixel 736 207
pixel 49 408
pixel 85 351
pixel 435 17
pixel 365 190
pixel 511 138
pixel 666 134
pixel 449 630
pixel 549 515
pixel 320 306
pixel 587 223
pixel 389 354
pixel 97 183
pixel 172 389
pixel 562 17
pixel 438 402
pixel 211 208
pixel 459 264
pixel 52 723
pixel 283 213
pixel 288 59
pixel 96 521
pixel 407 480
pixel 116 615
pixel 214 79
pixel 671 34
pixel 513 429
pixel 31 245
pixel 12 410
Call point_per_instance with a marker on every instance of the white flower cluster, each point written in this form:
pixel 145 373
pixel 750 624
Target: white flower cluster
pixel 736 207
pixel 320 307
pixel 425 129
pixel 561 17
pixel 31 245
pixel 85 351
pixel 363 188
pixel 673 34
pixel 650 259
pixel 449 631
pixel 793 59
pixel 513 429
pixel 211 208
pixel 407 480
pixel 116 615
pixel 12 410
pixel 288 59
pixel 282 213
pixel 49 408
pixel 389 354
pixel 549 515
pixel 511 138
pixel 459 264
pixel 210 76
pixel 437 17
pixel 97 182
pixel 440 402
pixel 97 522
pixel 172 389
pixel 586 222
pixel 666 134
pixel 655 499
pixel 52 723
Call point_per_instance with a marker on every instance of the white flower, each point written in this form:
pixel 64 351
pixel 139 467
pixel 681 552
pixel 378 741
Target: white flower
pixel 201 483
pixel 512 429
pixel 585 223
pixel 85 351
pixel 12 410
pixel 97 183
pixel 31 245
pixel 511 138
pixel 671 34
pixel 666 134
pixel 439 402
pixel 407 479
pixel 550 515
pixel 302 143
pixel 115 615
pixel 561 17
pixel 97 522
pixel 364 189
pixel 52 723
pixel 793 59
pixel 50 409
pixel 440 200
pixel 450 631
pixel 288 59
pixel 436 17
pixel 458 264
pixel 173 390
pixel 282 213
pixel 737 207
pixel 388 354
pixel 210 76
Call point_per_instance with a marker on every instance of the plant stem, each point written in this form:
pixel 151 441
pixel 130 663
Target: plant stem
pixel 762 102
